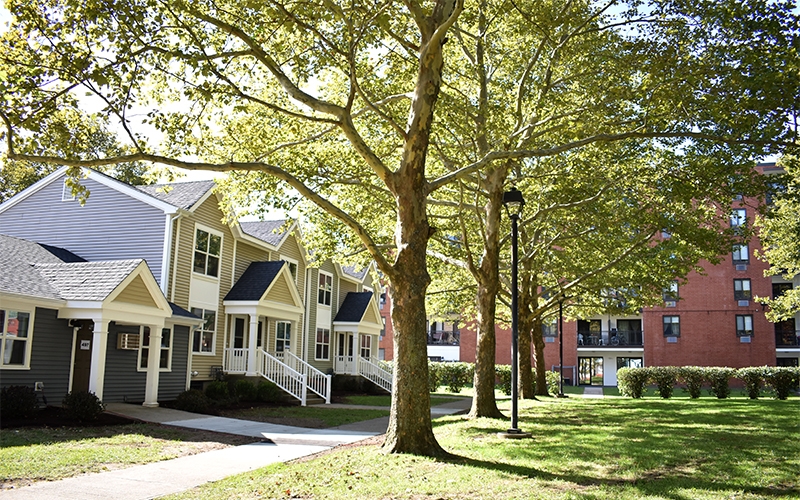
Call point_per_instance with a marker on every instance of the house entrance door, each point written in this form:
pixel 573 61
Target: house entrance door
pixel 82 358
pixel 345 361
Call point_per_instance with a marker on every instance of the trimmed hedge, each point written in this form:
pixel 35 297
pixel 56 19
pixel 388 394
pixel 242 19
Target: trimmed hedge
pixel 193 400
pixel 780 380
pixel 83 406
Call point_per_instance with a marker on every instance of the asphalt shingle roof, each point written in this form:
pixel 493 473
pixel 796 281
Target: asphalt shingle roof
pixel 92 281
pixel 256 279
pixel 180 194
pixel 354 306
pixel 351 271
pixel 269 231
pixel 17 257
pixel 179 311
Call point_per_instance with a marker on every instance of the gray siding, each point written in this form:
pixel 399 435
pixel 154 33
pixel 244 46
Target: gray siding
pixel 51 354
pixel 110 226
pixel 170 384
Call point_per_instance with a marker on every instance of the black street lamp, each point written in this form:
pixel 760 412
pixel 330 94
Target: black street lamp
pixel 514 202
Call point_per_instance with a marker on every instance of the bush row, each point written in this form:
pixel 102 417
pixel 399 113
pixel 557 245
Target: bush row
pixel 19 401
pixel 780 380
pixel 504 380
pixel 223 393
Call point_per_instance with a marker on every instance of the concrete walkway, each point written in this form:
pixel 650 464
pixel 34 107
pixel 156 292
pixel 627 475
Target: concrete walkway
pixel 593 392
pixel 143 482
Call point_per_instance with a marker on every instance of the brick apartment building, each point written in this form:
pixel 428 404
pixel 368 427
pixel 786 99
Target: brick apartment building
pixel 710 320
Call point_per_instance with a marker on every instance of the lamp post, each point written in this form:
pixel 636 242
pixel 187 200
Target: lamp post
pixel 514 202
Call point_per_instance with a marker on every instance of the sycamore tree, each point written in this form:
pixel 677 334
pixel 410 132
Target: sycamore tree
pixel 381 114
pixel 779 230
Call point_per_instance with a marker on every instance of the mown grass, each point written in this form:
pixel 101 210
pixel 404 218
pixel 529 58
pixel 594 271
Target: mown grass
pixel 386 400
pixel 47 454
pixel 580 448
pixel 305 416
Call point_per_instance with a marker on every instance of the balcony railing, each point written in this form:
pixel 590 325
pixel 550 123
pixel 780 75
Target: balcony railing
pixel 611 338
pixel 444 337
pixel 787 339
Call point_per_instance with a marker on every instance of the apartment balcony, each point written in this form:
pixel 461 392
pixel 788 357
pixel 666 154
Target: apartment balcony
pixel 787 339
pixel 610 339
pixel 444 337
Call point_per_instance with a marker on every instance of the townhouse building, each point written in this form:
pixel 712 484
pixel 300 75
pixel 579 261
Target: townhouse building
pixel 260 309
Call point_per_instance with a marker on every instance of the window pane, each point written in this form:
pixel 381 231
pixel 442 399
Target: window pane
pixel 211 321
pixel 145 355
pixel 164 360
pixel 165 334
pixel 199 262
pixel 213 266
pixel 214 244
pixel 23 322
pixel 202 241
pixel 14 353
pixel 146 337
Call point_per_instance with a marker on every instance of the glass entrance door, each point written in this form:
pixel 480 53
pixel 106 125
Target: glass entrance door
pixel 590 371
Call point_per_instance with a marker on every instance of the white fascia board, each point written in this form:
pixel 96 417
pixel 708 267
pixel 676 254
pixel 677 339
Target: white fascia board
pixel 150 282
pixel 346 326
pixel 242 236
pixel 33 188
pixel 203 198
pixel 286 275
pixel 298 236
pixel 270 309
pixel 22 301
pixel 184 320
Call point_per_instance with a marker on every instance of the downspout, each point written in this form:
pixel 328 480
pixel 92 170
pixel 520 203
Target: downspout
pixel 175 261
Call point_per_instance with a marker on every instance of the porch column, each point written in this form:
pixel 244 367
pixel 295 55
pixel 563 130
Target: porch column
pixel 97 369
pixel 153 367
pixel 356 352
pixel 251 347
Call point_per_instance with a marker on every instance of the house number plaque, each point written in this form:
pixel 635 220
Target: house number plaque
pixel 86 345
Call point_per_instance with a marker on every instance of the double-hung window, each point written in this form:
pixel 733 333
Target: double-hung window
pixel 366 346
pixel 741 254
pixel 207 251
pixel 741 289
pixel 325 289
pixel 670 292
pixel 323 346
pixel 738 218
pixel 164 357
pixel 203 337
pixel 744 325
pixel 283 336
pixel 15 338
pixel 672 326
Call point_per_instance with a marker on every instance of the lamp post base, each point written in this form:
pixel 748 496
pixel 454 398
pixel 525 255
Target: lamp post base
pixel 514 434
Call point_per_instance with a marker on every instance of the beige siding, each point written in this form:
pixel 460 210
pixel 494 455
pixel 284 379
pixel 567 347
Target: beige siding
pixel 345 287
pixel 311 320
pixel 279 292
pixel 136 293
pixel 371 317
pixel 247 254
pixel 292 249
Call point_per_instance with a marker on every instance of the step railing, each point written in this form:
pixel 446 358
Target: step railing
pixel 282 375
pixel 236 360
pixel 370 370
pixel 318 382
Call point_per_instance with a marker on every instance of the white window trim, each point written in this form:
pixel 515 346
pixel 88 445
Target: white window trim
pixel 291 340
pixel 745 331
pixel 194 249
pixel 746 248
pixel 361 347
pixel 317 343
pixel 329 275
pixel 28 342
pixel 169 350
pixel 213 337
pixel 66 192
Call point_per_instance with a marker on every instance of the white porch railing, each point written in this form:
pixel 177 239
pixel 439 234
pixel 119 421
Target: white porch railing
pixel 280 374
pixel 345 365
pixel 318 382
pixel 370 370
pixel 236 360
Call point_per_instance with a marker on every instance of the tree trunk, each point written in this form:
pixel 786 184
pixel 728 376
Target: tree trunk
pixel 527 294
pixel 541 369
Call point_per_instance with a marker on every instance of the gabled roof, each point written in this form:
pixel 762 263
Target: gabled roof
pixel 91 281
pixel 354 307
pixel 180 194
pixel 268 231
pixel 19 277
pixel 255 281
pixel 354 272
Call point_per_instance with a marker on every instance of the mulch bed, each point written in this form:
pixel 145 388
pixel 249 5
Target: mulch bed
pixel 53 416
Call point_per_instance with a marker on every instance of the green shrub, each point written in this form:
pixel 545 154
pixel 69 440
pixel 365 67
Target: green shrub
pixel 665 378
pixel 753 378
pixel 719 378
pixel 17 401
pixel 503 374
pixel 632 381
pixel 456 375
pixel 782 379
pixel 693 377
pixel 552 382
pixel 83 406
pixel 193 400
pixel 268 392
pixel 217 390
pixel 434 375
pixel 245 390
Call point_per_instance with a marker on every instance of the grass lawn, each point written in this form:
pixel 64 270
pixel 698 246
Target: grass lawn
pixel 315 416
pixel 614 448
pixel 386 400
pixel 47 454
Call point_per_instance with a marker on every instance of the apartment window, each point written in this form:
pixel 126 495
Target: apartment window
pixel 741 254
pixel 14 341
pixel 165 356
pixel 549 329
pixel 323 347
pixel 207 251
pixel 670 292
pixel 744 325
pixel 283 336
pixel 672 326
pixel 382 300
pixel 203 337
pixel 366 346
pixel 738 217
pixel 741 289
pixel 66 192
pixel 325 289
pixel 292 267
